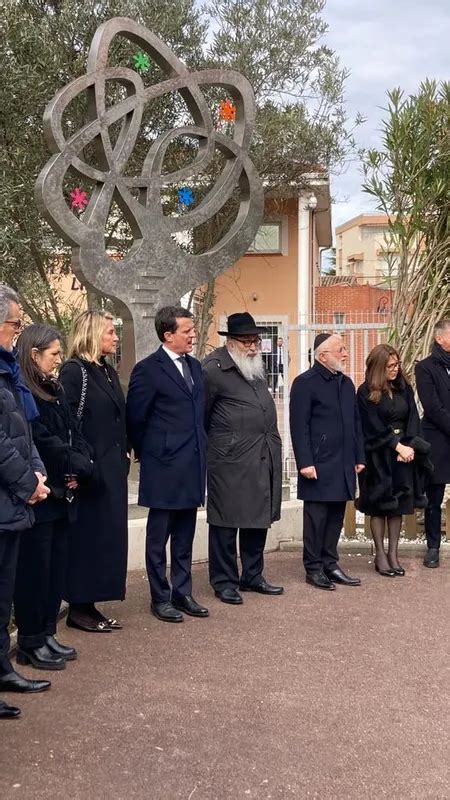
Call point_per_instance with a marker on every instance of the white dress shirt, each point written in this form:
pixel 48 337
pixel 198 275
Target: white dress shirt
pixel 176 360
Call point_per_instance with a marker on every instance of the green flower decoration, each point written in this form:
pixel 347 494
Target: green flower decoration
pixel 141 62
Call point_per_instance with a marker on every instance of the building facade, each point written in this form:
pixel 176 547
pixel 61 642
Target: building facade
pixel 363 250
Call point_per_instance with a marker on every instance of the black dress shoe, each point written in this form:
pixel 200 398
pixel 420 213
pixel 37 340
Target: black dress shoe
pixel 398 570
pixel 431 559
pixel 386 573
pixel 88 624
pixel 229 596
pixel 189 606
pixel 262 587
pixel 8 712
pixel 13 682
pixel 40 657
pixel 320 581
pixel 68 653
pixel 166 612
pixel 338 576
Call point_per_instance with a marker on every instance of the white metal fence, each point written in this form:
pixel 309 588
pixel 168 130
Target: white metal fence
pixel 360 337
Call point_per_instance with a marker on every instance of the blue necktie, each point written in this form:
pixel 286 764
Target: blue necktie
pixel 186 372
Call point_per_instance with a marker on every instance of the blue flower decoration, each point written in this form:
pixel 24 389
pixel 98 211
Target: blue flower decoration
pixel 185 196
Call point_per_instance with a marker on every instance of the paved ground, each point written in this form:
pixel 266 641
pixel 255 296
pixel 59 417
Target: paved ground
pixel 309 695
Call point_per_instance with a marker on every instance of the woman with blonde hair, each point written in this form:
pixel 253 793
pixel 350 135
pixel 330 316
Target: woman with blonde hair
pixel 98 540
pixel 397 463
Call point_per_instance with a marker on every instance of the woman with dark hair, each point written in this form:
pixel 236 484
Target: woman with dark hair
pixel 396 456
pixel 98 540
pixel 42 560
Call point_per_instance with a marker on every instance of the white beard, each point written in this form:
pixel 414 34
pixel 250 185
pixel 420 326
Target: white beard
pixel 251 368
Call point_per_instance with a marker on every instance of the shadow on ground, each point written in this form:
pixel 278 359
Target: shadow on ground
pixel 308 695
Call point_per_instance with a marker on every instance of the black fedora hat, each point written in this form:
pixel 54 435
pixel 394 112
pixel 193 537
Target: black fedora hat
pixel 242 324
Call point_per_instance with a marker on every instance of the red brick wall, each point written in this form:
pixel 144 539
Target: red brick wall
pixel 361 304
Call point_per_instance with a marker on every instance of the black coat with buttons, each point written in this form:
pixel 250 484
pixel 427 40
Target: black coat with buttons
pixel 244 447
pixel 326 433
pixel 98 540
pixel 166 429
pixel 433 388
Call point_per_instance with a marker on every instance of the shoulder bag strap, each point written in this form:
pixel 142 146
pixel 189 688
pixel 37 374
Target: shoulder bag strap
pixel 84 381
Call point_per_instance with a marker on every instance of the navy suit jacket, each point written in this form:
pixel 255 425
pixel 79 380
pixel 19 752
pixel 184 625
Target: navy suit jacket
pixel 166 428
pixel 326 433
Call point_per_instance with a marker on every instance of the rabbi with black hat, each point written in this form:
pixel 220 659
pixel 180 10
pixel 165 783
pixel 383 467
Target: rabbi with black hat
pixel 244 461
pixel 328 446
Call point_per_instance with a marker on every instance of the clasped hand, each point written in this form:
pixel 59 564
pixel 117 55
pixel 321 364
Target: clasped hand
pixel 41 491
pixel 405 453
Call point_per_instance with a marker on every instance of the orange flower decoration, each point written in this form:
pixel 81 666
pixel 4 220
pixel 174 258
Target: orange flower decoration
pixel 227 110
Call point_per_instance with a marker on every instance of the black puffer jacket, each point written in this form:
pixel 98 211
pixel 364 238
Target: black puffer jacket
pixel 63 450
pixel 19 460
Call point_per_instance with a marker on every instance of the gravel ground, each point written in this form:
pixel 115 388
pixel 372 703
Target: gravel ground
pixel 309 695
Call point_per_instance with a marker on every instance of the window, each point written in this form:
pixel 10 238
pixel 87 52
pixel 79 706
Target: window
pixel 267 239
pixel 338 318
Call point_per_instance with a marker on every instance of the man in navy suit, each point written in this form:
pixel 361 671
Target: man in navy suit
pixel 165 414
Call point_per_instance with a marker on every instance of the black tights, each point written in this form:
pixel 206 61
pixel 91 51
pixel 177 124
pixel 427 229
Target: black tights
pixel 85 610
pixel 377 526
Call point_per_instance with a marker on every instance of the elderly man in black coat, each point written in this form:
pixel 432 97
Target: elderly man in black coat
pixel 329 451
pixel 165 413
pixel 244 461
pixel 433 387
pixel 22 484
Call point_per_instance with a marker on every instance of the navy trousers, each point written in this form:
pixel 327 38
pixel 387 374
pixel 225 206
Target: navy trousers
pixel 9 551
pixel 322 525
pixel 180 526
pixel 433 514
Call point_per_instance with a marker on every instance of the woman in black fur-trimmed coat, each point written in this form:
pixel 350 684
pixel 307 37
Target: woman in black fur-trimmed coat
pixel 397 463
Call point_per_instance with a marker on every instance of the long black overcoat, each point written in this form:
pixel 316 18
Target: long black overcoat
pixel 63 450
pixel 433 388
pixel 244 447
pixel 384 488
pixel 166 428
pixel 326 433
pixel 98 540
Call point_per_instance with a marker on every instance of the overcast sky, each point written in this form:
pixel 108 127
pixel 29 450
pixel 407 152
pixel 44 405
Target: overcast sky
pixel 384 44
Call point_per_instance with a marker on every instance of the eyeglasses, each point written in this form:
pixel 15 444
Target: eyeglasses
pixel 248 342
pixel 339 350
pixel 16 323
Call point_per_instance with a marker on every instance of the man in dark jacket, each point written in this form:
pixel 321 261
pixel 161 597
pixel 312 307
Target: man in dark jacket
pixel 244 461
pixel 329 451
pixel 433 387
pixel 165 415
pixel 22 483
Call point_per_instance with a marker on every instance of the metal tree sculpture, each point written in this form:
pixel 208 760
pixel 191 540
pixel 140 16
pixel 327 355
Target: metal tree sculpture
pixel 156 270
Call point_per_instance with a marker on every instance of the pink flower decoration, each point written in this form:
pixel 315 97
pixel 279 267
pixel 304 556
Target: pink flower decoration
pixel 78 199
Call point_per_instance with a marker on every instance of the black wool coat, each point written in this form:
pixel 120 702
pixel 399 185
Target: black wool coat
pixel 378 493
pixel 19 460
pixel 326 433
pixel 244 447
pixel 433 388
pixel 62 449
pixel 166 429
pixel 98 540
